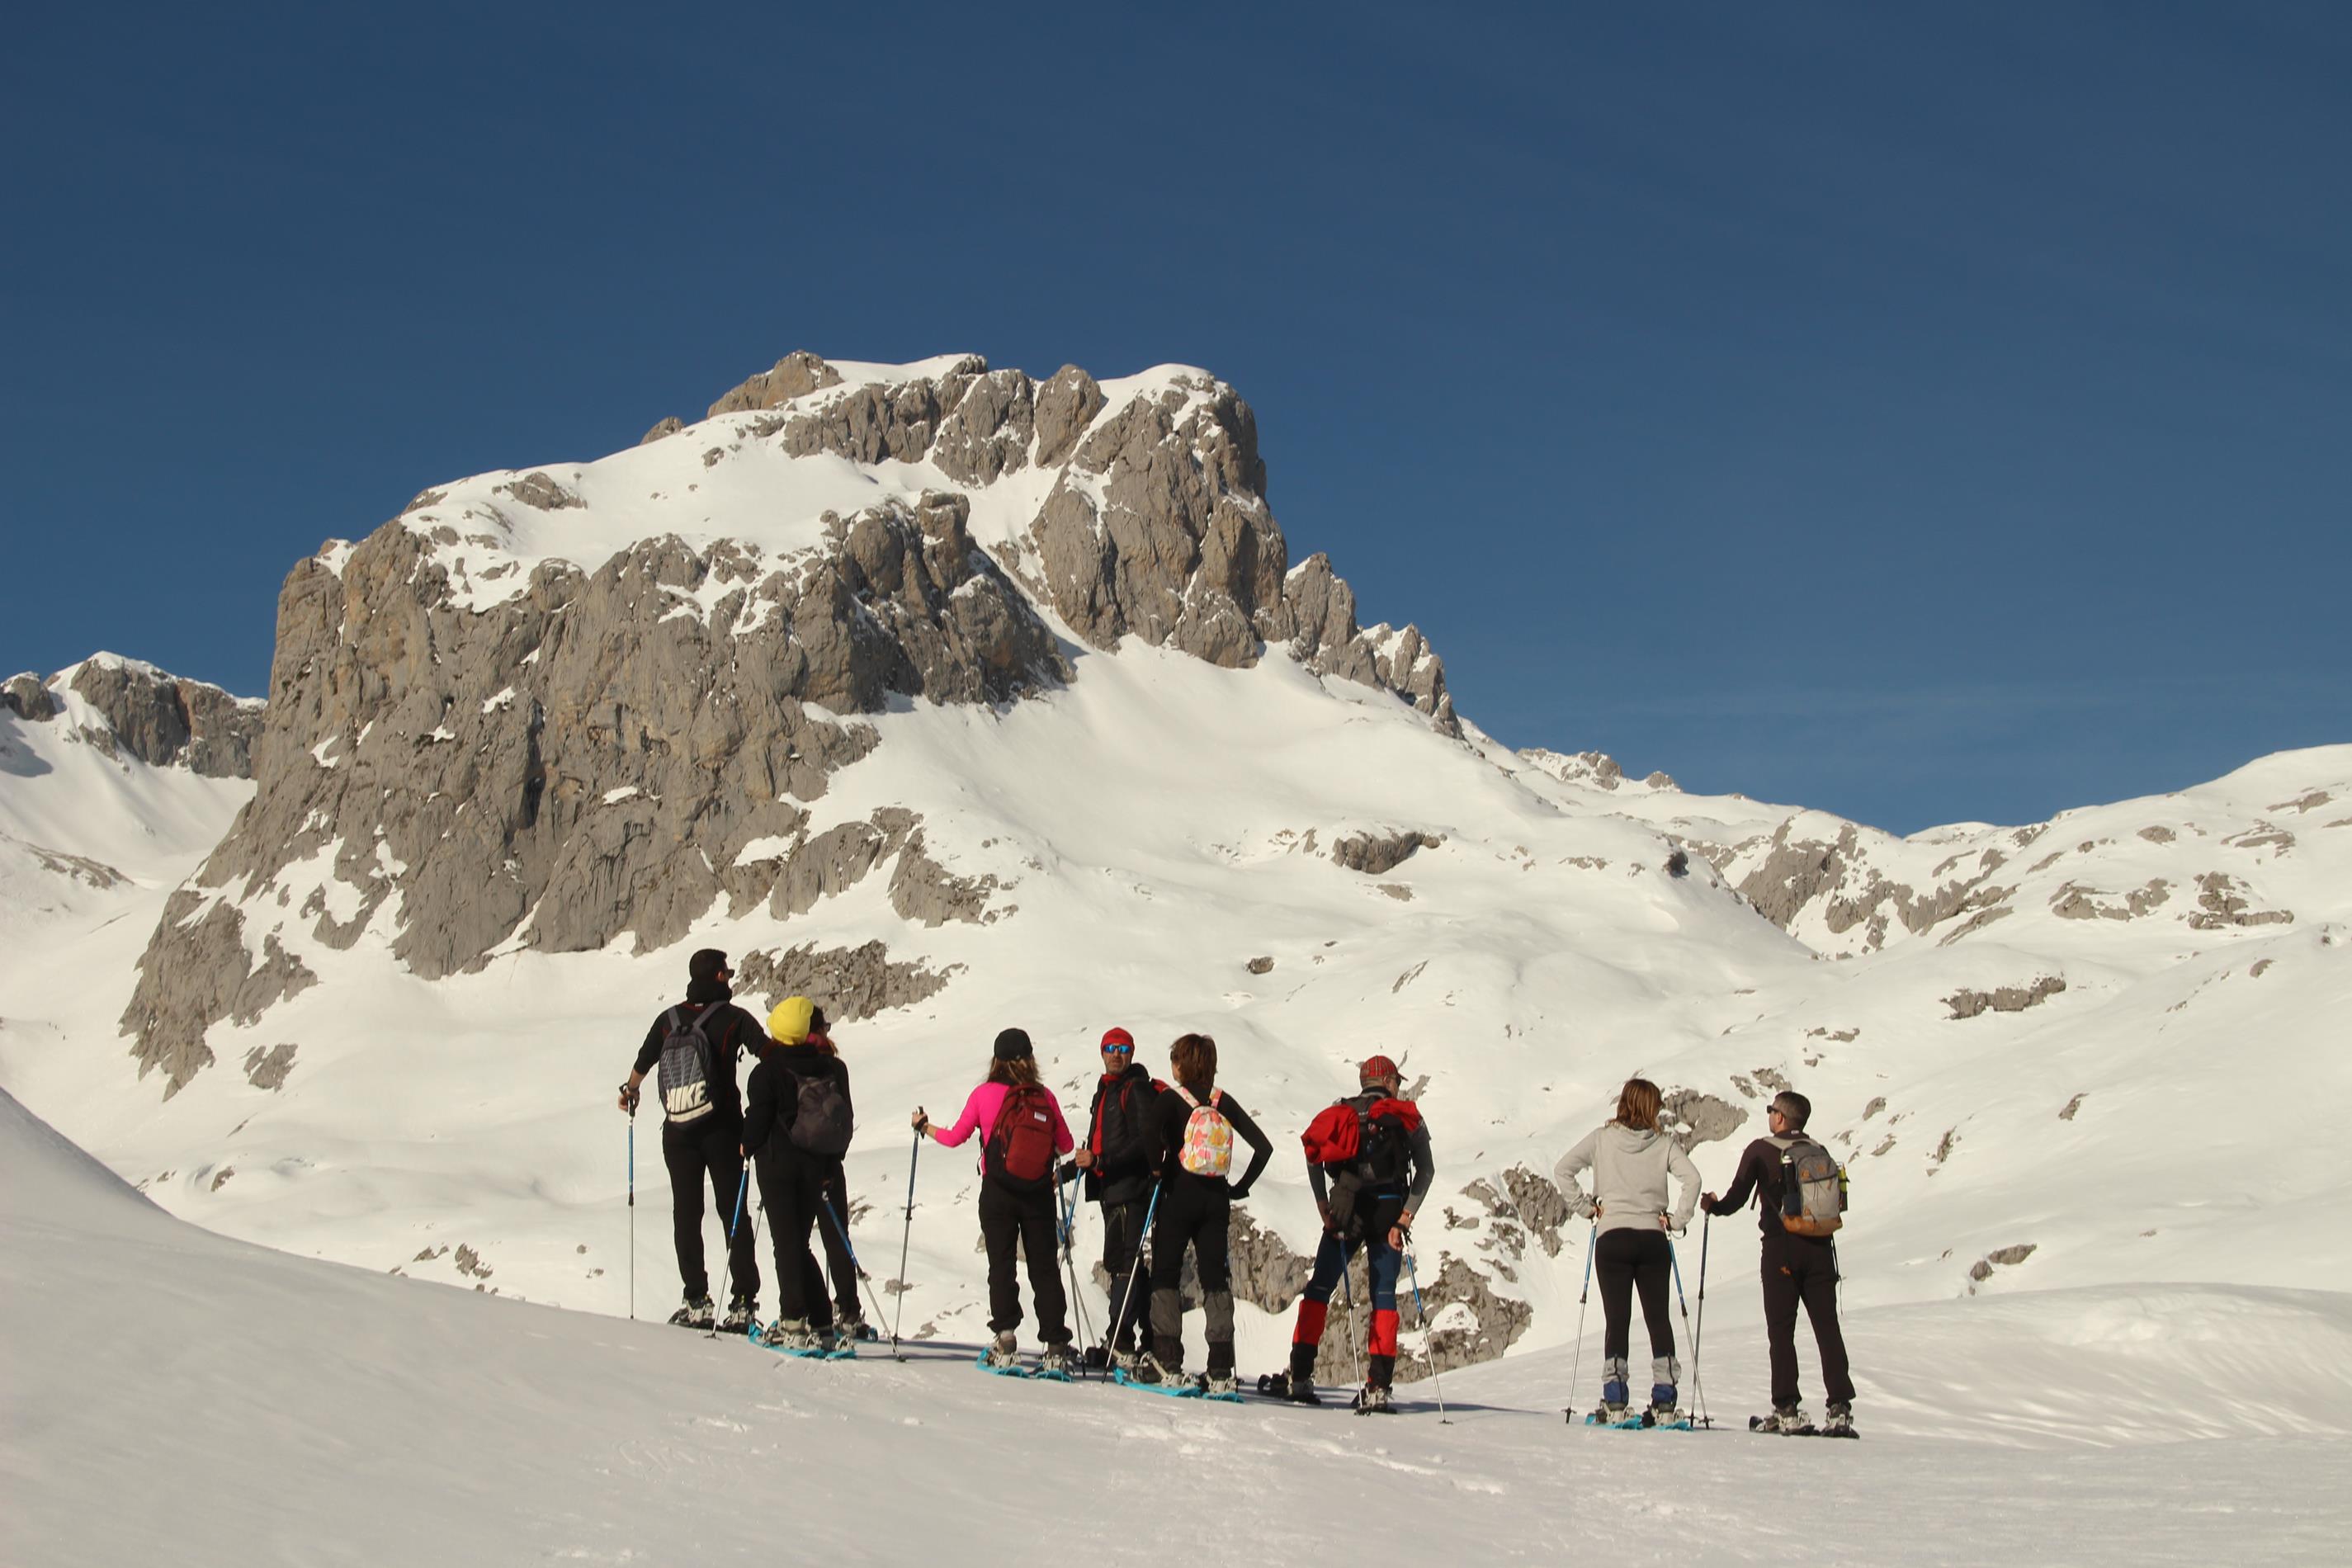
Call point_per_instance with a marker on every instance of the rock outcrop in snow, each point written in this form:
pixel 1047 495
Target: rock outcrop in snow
pixel 143 712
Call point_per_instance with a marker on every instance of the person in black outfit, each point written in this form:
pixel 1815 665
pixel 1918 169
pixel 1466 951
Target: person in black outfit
pixel 1795 1268
pixel 793 1179
pixel 1120 1160
pixel 840 1264
pixel 702 1137
pixel 1195 1208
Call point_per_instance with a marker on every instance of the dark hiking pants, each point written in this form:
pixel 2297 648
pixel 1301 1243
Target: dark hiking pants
pixel 695 1153
pixel 1803 1268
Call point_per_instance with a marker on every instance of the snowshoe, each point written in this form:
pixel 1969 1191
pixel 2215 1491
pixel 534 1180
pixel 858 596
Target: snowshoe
pixel 1003 1355
pixel 1150 1377
pixel 743 1315
pixel 790 1336
pixel 1098 1358
pixel 1373 1399
pixel 1289 1385
pixel 1056 1364
pixel 1838 1423
pixel 697 1313
pixel 1221 1385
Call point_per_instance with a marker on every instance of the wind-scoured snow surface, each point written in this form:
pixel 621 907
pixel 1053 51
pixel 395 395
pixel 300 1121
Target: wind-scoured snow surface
pixel 175 1397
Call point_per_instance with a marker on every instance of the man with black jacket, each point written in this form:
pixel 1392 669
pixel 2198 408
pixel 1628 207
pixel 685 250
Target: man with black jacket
pixel 697 1044
pixel 1796 1269
pixel 1119 1158
pixel 798 1076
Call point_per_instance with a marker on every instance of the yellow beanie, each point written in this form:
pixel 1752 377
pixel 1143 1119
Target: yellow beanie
pixel 788 1023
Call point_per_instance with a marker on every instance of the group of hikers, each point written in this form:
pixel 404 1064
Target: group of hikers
pixel 1159 1160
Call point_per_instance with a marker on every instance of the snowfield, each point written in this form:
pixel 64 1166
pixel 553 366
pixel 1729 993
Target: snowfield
pixel 177 1396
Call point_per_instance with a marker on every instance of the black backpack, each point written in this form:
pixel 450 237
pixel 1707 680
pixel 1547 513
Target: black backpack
pixel 1126 1132
pixel 822 1123
pixel 687 1064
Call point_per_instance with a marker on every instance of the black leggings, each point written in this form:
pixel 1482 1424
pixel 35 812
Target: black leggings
pixel 1627 1260
pixel 789 1186
pixel 1194 1213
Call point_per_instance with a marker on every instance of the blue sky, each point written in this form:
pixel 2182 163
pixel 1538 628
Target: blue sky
pixel 1923 414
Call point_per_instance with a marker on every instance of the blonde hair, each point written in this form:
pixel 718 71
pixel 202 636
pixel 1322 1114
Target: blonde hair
pixel 1637 1105
pixel 1193 1061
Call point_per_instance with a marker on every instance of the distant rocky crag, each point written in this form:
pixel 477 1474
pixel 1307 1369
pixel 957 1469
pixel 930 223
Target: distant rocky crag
pixel 581 761
pixel 160 719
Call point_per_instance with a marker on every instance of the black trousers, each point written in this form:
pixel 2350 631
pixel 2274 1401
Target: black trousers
pixel 1026 1222
pixel 831 1231
pixel 1803 1268
pixel 1131 1287
pixel 695 1153
pixel 789 1185
pixel 1195 1213
pixel 1628 1261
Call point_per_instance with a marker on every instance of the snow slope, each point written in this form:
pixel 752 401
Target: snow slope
pixel 177 1396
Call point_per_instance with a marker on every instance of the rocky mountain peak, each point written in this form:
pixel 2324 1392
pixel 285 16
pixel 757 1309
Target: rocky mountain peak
pixel 139 710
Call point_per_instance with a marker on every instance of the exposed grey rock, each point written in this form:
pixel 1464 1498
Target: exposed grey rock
pixel 2073 1106
pixel 28 697
pixel 221 1176
pixel 2159 835
pixel 539 490
pixel 2074 903
pixel 837 860
pixel 1661 779
pixel 1526 1205
pixel 926 892
pixel 2009 1256
pixel 1496 1322
pixel 162 720
pixel 1264 965
pixel 1266 1272
pixel 986 433
pixel 669 427
pixel 1064 406
pixel 848 982
pixel 1877 1104
pixel 1693 1118
pixel 1981 1269
pixel 2221 902
pixel 267 1070
pixel 2006 999
pixel 469 1262
pixel 80 868
pixel 1396 891
pixel 201 973
pixel 2311 802
pixel 794 375
pixel 1376 854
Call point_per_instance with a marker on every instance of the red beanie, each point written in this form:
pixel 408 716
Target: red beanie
pixel 1116 1037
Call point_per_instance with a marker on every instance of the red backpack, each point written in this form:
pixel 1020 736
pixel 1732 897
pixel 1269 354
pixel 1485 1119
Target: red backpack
pixel 1021 1145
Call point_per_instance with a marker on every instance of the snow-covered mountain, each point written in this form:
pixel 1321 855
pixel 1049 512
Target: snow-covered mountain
pixel 959 699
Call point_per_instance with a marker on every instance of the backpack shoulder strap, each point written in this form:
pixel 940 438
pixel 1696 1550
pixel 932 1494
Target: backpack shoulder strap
pixel 1188 1096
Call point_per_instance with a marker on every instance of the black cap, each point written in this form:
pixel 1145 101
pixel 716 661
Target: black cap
pixel 816 1021
pixel 1013 1045
pixel 706 964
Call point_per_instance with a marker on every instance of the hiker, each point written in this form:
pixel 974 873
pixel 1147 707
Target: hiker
pixel 1024 1133
pixel 697 1044
pixel 833 1214
pixel 1120 1160
pixel 1800 1189
pixel 797 1124
pixel 1630 1159
pixel 1368 1161
pixel 1192 1128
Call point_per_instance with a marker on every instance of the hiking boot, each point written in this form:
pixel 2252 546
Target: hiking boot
pixel 852 1327
pixel 1789 1420
pixel 828 1338
pixel 1298 1388
pixel 1098 1358
pixel 697 1313
pixel 1839 1422
pixel 1147 1369
pixel 1663 1401
pixel 1372 1399
pixel 1004 1351
pixel 743 1311
pixel 1058 1361
pixel 1128 1362
pixel 790 1334
pixel 1214 1382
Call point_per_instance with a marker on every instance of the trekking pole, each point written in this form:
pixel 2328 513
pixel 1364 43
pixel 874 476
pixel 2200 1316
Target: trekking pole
pixel 633 1218
pixel 742 1185
pixel 1347 1295
pixel 1577 1365
pixel 1135 1269
pixel 1698 1389
pixel 1422 1313
pixel 856 1267
pixel 1070 1263
pixel 1674 1258
pixel 904 1237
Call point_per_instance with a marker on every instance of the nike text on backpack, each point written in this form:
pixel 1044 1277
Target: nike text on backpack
pixel 687 1065
pixel 1208 1148
pixel 1812 1188
pixel 1021 1145
pixel 822 1122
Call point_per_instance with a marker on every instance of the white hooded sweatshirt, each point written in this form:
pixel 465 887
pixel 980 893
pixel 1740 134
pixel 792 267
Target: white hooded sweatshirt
pixel 1629 1178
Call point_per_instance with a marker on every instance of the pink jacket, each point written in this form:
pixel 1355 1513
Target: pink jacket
pixel 980 1113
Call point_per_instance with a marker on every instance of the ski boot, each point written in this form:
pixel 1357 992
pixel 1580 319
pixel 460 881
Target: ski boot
pixel 743 1311
pixel 1003 1352
pixel 697 1313
pixel 1058 1363
pixel 1373 1399
pixel 1786 1420
pixel 1838 1421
